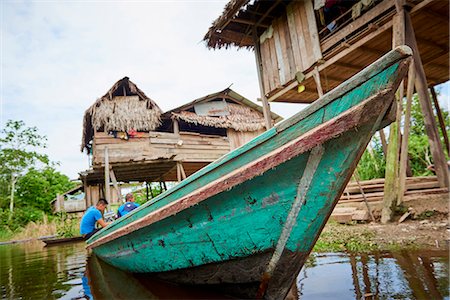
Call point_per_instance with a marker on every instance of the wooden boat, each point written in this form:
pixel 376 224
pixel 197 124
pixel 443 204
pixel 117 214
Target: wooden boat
pixel 248 221
pixel 54 240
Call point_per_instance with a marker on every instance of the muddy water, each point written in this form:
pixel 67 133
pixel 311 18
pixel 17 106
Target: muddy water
pixel 31 271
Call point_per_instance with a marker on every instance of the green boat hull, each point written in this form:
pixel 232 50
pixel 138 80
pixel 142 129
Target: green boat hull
pixel 249 220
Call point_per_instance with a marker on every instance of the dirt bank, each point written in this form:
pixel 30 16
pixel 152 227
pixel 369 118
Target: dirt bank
pixel 427 226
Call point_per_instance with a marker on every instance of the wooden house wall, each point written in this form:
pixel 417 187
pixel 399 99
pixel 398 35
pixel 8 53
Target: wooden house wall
pixel 186 146
pixel 93 193
pixel 289 46
pixel 239 138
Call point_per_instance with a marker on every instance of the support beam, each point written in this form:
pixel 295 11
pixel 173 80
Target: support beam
pixel 406 126
pixel 115 184
pixel 440 163
pixel 392 159
pixel 107 187
pixel 316 76
pixel 266 107
pixel 440 119
pixel 383 141
pixel 176 126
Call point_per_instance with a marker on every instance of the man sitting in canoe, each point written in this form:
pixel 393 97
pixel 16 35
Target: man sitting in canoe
pixel 128 206
pixel 93 215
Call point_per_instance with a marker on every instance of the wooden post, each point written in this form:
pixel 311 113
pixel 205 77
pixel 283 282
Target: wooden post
pixel 116 185
pixel 440 118
pixel 404 146
pixel 440 164
pixel 107 187
pixel 383 142
pixel 146 190
pixel 176 126
pixel 361 190
pixel 183 173
pixel 392 157
pixel 266 107
pixel 178 173
pixel 316 76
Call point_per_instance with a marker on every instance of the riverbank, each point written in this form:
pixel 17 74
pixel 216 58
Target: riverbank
pixel 426 226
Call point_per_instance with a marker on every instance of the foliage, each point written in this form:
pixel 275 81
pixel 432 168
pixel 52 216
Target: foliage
pixel 20 217
pixel 140 195
pixel 66 226
pixel 18 153
pixel 17 148
pixel 38 188
pixel 28 175
pixel 373 162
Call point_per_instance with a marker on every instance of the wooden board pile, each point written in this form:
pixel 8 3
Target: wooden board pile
pixel 351 205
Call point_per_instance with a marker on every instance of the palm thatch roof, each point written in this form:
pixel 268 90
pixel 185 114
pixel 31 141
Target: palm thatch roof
pixel 122 108
pixel 243 115
pixel 236 24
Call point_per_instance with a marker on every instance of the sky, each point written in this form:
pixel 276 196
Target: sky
pixel 58 57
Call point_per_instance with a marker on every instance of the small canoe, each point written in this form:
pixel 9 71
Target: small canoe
pixel 248 221
pixel 60 240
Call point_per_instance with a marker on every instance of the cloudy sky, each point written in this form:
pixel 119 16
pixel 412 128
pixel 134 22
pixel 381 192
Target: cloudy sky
pixel 58 57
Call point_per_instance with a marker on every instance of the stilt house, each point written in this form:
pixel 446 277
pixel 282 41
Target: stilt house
pixel 306 48
pixel 129 139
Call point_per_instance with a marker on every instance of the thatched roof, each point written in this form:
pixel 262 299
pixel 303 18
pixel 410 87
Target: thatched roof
pixel 122 108
pixel 235 26
pixel 244 115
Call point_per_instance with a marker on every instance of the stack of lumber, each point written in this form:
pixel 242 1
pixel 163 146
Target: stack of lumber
pixel 351 205
pixel 373 189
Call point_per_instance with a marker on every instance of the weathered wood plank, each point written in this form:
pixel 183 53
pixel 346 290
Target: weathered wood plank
pixel 282 64
pixel 294 38
pixel 274 62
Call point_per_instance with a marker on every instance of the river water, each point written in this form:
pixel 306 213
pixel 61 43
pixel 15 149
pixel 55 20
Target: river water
pixel 32 271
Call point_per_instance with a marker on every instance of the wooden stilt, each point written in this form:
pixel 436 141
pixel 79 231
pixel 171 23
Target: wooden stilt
pixel 392 157
pixel 383 141
pixel 146 190
pixel 316 76
pixel 356 177
pixel 404 146
pixel 115 184
pixel 440 119
pixel 266 107
pixel 176 126
pixel 178 173
pixel 440 164
pixel 183 173
pixel 107 187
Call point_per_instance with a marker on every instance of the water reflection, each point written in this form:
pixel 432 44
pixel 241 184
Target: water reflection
pixel 31 271
pixel 386 275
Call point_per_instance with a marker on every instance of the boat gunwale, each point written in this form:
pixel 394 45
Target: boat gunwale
pixel 371 71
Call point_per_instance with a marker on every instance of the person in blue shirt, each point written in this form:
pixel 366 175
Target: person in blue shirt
pixel 92 216
pixel 128 206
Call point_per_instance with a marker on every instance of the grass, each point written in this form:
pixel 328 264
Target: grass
pixel 62 226
pixel 337 237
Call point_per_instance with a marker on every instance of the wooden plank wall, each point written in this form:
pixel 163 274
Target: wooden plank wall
pixel 92 195
pixel 290 45
pixel 186 146
pixel 239 138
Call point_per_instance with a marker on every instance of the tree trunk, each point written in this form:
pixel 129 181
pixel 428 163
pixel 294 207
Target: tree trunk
pixel 11 202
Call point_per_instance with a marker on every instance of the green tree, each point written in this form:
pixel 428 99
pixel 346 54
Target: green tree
pixel 37 188
pixel 18 145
